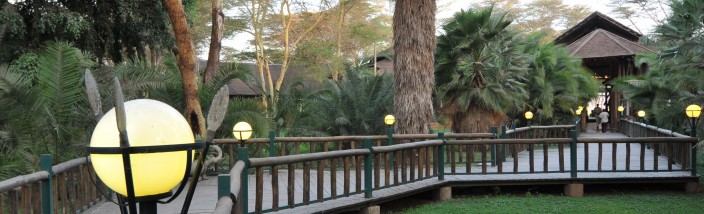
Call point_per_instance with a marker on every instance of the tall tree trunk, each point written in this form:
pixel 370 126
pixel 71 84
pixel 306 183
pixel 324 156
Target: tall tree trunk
pixel 476 120
pixel 414 46
pixel 186 64
pixel 215 40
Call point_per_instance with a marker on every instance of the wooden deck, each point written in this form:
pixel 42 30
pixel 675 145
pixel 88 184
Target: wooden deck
pixel 205 197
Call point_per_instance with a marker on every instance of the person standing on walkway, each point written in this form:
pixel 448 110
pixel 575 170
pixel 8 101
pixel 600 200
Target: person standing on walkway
pixel 604 118
pixel 597 110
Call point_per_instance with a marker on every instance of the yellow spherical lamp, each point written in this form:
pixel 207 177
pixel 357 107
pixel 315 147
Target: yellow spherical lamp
pixel 641 114
pixel 620 109
pixel 528 115
pixel 578 111
pixel 693 111
pixel 389 120
pixel 149 123
pixel 242 131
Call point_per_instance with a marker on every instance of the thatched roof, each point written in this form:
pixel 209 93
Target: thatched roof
pixel 602 43
pixel 595 21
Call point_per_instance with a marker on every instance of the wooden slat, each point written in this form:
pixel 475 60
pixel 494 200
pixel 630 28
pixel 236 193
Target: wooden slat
pixel 2 203
pixel 347 174
pixel 358 173
pixel 428 166
pixel 13 202
pixel 404 157
pixel 601 154
pixel 259 197
pixel 613 157
pixel 387 170
pixel 36 201
pixel 545 157
pixel 306 182
pixel 470 159
pixel 628 156
pixel 642 157
pixel 397 158
pixel 499 158
pixel 291 187
pixel 515 158
pixel 412 165
pixel 561 156
pixel 333 178
pixel 26 199
pixel 55 195
pixel 586 155
pixel 670 155
pixel 320 182
pixel 452 160
pixel 483 159
pixel 377 170
pixel 531 157
pixel 275 187
pixel 656 151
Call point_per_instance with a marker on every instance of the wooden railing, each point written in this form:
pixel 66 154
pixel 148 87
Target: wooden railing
pixel 379 167
pixel 63 188
pixel 682 154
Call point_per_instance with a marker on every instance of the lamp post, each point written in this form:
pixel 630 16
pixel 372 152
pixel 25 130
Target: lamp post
pixel 529 116
pixel 390 120
pixel 693 112
pixel 620 110
pixel 641 115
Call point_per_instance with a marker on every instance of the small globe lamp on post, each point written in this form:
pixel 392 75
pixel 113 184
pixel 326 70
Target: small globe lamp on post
pixel 693 112
pixel 390 120
pixel 242 131
pixel 641 115
pixel 529 116
pixel 620 110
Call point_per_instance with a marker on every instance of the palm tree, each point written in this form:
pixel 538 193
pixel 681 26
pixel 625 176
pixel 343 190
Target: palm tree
pixel 479 70
pixel 414 44
pixel 556 81
pixel 355 105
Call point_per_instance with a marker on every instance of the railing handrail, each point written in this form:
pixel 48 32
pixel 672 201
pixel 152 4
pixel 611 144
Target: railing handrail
pixel 371 137
pixel 510 141
pixel 22 180
pixel 289 159
pixel 226 203
pixel 678 140
pixel 655 128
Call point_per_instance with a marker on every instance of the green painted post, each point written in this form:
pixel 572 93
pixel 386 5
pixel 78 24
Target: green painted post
pixel 492 147
pixel 368 169
pixel 243 155
pixel 694 147
pixel 390 141
pixel 223 185
pixel 272 141
pixel 503 146
pixel 573 154
pixel 441 157
pixel 47 203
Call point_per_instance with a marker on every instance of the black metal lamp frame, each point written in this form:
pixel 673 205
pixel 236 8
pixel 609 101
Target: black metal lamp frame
pixel 147 204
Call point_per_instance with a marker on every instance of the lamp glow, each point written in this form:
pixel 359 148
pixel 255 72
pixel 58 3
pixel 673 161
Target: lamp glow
pixel 578 111
pixel 693 111
pixel 641 113
pixel 528 115
pixel 389 120
pixel 620 109
pixel 242 131
pixel 149 123
pixel 580 108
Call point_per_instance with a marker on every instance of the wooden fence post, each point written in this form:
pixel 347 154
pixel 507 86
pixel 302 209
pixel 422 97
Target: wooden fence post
pixel 441 157
pixel 573 154
pixel 223 185
pixel 368 169
pixel 243 155
pixel 492 147
pixel 272 141
pixel 47 202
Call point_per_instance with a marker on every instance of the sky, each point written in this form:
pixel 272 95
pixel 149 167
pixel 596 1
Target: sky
pixel 241 41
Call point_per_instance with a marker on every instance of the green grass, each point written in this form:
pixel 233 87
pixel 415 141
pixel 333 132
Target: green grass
pixel 634 203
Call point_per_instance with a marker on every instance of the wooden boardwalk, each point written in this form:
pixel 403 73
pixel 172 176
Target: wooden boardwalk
pixel 205 197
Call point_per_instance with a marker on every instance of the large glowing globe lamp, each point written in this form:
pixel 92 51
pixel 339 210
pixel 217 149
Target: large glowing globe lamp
pixel 149 123
pixel 693 111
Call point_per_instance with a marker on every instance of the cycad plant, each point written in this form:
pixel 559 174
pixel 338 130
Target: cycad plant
pixel 355 105
pixel 46 111
pixel 480 72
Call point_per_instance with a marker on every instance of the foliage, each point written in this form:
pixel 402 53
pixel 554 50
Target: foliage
pixel 556 82
pixel 355 105
pixel 675 73
pixel 479 66
pixel 45 112
pixel 548 16
pixel 108 30
pixel 616 203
